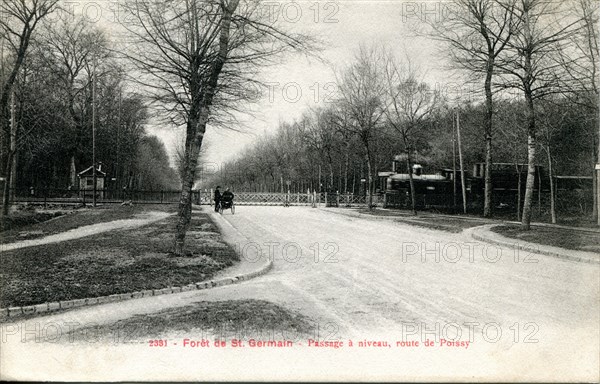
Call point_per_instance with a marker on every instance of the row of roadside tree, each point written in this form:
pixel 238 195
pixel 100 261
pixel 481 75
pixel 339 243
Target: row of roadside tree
pixel 533 67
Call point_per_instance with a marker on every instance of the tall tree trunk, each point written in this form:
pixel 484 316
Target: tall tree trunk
pixel 597 173
pixel 531 144
pixel 340 176
pixel 595 156
pixel 409 170
pixel 518 189
pixel 319 178
pixel 531 129
pixel 530 181
pixel 11 158
pixel 539 175
pixel 6 198
pixel 72 173
pixel 331 181
pixel 196 125
pixel 411 181
pixel 463 186
pixel 595 192
pixel 488 129
pixel 13 171
pixel 346 171
pixel 551 179
pixel 194 140
pixel 354 180
pixel 369 176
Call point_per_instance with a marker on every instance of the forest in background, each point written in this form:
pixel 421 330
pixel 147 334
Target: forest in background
pixel 298 149
pixel 52 102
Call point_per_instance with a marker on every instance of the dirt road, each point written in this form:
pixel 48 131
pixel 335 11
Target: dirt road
pixel 510 313
pixel 374 275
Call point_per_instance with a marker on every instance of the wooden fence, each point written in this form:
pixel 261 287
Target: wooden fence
pixel 571 201
pixel 199 197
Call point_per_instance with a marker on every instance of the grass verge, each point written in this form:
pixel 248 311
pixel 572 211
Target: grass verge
pixel 563 238
pixel 239 319
pixel 117 261
pixel 31 224
pixel 427 220
pixel 20 219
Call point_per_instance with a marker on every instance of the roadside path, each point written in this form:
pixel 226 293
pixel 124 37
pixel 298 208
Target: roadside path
pixel 88 230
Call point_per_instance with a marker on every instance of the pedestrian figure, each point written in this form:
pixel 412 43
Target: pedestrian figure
pixel 217 198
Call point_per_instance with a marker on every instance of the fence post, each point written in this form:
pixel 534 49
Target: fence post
pixel 45 198
pixel 162 196
pixel 337 199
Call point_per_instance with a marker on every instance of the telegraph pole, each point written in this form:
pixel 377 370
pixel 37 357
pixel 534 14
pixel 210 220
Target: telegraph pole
pixel 454 181
pixel 94 132
pixel 460 159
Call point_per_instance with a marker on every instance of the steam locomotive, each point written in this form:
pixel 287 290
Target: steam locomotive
pixel 443 189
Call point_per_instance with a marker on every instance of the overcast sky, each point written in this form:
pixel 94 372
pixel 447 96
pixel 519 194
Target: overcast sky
pixel 343 25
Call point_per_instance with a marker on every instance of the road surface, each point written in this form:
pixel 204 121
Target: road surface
pixel 524 315
pixel 372 276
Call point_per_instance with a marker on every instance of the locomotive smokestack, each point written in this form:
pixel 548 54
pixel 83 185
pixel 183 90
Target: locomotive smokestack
pixel 417 169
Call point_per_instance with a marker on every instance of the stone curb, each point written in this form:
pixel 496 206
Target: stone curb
pixel 357 214
pixel 16 312
pixel 407 219
pixel 484 233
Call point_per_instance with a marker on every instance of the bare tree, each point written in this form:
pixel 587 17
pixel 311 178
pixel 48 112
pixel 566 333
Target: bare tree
pixel 530 66
pixel 410 102
pixel 550 123
pixel 18 21
pixel 341 120
pixel 362 90
pixel 69 49
pixel 477 31
pixel 580 59
pixel 590 47
pixel 317 131
pixel 511 129
pixel 199 59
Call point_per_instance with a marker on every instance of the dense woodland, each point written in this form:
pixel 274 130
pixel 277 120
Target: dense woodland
pixel 53 103
pixel 300 148
pixel 531 66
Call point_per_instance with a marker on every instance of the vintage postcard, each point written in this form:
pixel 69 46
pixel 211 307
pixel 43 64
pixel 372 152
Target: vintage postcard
pixel 300 190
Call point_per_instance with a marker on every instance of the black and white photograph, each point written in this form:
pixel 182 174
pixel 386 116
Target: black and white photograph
pixel 300 190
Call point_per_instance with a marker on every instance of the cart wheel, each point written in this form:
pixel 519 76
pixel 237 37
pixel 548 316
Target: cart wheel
pixel 232 209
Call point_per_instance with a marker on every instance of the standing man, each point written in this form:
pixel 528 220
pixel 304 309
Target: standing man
pixel 217 198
